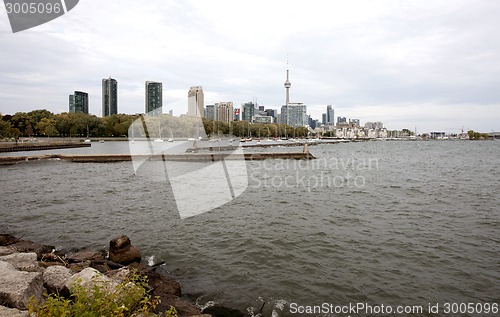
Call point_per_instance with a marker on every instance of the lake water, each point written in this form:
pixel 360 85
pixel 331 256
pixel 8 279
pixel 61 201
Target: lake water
pixel 392 223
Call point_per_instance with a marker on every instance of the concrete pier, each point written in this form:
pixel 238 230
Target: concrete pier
pixel 191 157
pixel 39 147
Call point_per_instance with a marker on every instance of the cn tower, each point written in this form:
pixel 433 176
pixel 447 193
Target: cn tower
pixel 287 86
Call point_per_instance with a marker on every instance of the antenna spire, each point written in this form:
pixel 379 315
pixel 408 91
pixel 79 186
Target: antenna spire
pixel 287 84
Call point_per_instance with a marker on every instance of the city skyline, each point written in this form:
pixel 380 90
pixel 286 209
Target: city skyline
pixel 406 64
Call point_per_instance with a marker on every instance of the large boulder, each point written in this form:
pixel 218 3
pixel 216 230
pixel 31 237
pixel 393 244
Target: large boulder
pixel 17 287
pixel 121 251
pixel 222 311
pixel 22 261
pixel 85 255
pixel 12 312
pixel 166 289
pixel 30 246
pixel 55 278
pixel 6 239
pixel 183 307
pixel 6 251
pixel 160 284
pixel 88 278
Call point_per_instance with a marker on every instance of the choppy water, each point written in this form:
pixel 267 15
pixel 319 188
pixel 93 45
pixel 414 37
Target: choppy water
pixel 393 223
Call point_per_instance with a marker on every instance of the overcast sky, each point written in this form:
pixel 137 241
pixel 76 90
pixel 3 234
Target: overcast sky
pixel 434 65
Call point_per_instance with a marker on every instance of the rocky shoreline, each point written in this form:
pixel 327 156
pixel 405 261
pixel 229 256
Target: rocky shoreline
pixel 30 269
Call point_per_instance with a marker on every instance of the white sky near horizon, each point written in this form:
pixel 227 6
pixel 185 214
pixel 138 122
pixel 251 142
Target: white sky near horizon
pixel 433 65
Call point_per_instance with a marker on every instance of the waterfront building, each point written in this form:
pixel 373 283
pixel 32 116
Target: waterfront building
pixel 294 114
pixel 154 97
pixel 330 112
pixel 272 113
pixel 225 111
pixel 354 122
pixel 109 97
pixel 341 120
pixel 196 102
pixel 263 119
pixel 374 125
pixel 248 111
pixel 79 102
pixel 313 123
pixel 211 112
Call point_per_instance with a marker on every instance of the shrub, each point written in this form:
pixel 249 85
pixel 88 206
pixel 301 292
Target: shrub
pixel 128 298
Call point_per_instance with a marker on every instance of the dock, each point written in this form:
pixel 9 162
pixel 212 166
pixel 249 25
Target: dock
pixel 39 147
pixel 188 157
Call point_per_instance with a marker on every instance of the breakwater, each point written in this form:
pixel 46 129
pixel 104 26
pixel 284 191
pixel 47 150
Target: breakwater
pixel 191 157
pixel 40 147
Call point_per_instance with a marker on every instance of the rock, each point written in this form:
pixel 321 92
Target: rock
pixel 160 284
pixel 12 312
pixel 183 307
pixel 22 261
pixel 6 251
pixel 55 278
pixel 119 275
pixel 84 255
pixel 221 311
pixel 30 246
pixel 6 239
pixel 105 266
pixel 121 251
pixel 88 278
pixel 17 287
pixel 78 266
pixel 168 291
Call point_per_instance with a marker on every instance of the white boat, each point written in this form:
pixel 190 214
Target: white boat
pixel 101 141
pixel 87 140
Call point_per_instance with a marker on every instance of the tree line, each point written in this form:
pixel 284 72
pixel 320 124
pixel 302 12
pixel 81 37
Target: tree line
pixel 43 123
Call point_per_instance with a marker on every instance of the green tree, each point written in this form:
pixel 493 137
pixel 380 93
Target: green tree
pixel 21 121
pixel 36 116
pixel 5 128
pixel 47 126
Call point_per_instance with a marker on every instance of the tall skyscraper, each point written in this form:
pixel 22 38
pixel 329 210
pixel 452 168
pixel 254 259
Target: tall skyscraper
pixel 109 97
pixel 330 112
pixel 154 97
pixel 225 111
pixel 211 112
pixel 294 114
pixel 79 102
pixel 248 111
pixel 196 102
